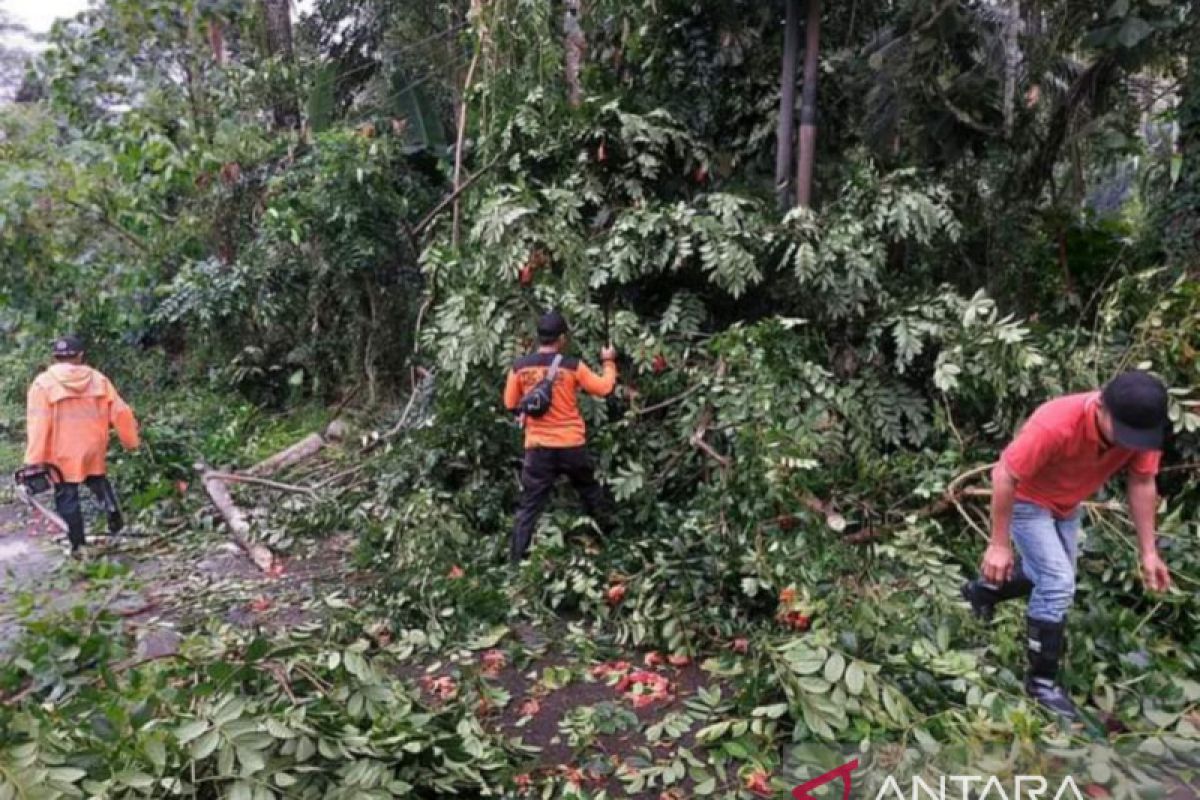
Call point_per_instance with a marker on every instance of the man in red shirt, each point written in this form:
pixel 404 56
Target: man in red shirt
pixel 1065 452
pixel 554 442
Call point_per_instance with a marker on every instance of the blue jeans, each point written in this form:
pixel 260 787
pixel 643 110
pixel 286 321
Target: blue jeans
pixel 1047 549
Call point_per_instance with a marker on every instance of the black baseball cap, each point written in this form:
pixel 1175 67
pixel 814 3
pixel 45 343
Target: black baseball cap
pixel 1137 403
pixel 551 325
pixel 68 346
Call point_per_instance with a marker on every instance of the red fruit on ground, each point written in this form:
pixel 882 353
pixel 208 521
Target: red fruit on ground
pixel 759 783
pixel 740 645
pixel 659 365
pixel 492 662
pixel 680 660
pixel 615 594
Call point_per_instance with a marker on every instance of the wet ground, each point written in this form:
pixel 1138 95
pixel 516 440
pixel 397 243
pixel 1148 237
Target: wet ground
pixel 29 556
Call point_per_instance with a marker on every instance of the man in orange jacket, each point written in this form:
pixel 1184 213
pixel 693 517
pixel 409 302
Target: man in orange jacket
pixel 554 442
pixel 69 410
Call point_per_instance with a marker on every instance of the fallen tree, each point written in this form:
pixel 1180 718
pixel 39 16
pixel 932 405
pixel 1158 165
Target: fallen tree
pixel 216 484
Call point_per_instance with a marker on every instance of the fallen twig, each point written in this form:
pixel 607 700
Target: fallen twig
pixel 668 402
pixel 339 476
pixel 230 477
pixel 403 423
pixel 453 197
pixel 706 419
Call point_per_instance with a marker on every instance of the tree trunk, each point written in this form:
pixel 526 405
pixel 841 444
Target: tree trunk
pixel 808 106
pixel 1090 87
pixel 277 14
pixel 787 106
pixel 575 48
pixel 1182 230
pixel 1012 61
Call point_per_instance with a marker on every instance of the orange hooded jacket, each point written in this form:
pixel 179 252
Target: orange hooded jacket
pixel 68 413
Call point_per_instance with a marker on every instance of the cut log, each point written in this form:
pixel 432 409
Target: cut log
pixel 235 519
pixel 302 450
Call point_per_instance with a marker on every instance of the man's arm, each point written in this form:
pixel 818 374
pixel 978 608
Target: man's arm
pixel 120 416
pixel 998 561
pixel 599 385
pixel 512 391
pixel 1143 505
pixel 39 422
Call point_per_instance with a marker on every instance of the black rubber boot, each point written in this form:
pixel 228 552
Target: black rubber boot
pixel 116 523
pixel 1045 646
pixel 984 597
pixel 75 530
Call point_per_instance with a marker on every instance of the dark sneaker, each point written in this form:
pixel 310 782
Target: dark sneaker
pixel 1052 697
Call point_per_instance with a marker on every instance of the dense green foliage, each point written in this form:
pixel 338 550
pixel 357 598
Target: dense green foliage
pixel 983 239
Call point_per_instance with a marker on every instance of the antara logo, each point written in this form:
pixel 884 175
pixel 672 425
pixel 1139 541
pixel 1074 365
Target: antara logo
pixel 953 787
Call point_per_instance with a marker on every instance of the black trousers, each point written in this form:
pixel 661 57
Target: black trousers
pixel 66 502
pixel 542 469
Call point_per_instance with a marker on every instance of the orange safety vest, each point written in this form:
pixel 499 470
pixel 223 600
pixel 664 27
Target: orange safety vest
pixel 69 410
pixel 563 425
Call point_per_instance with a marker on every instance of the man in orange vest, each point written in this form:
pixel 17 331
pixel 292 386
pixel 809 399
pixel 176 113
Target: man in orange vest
pixel 554 441
pixel 69 411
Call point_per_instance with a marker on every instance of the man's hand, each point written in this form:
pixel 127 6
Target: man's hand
pixel 608 353
pixel 1155 574
pixel 997 566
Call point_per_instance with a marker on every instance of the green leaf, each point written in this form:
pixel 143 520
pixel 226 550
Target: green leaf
pixel 927 742
pixel 283 780
pixel 855 678
pixel 251 760
pixel 814 685
pixel 190 730
pixel 488 639
pixel 713 732
pixel 136 780
pixel 1118 9
pixel 770 712
pixel 65 774
pixel 205 745
pixel 156 751
pixel 1134 31
pixel 834 668
pixel 322 98
pixel 305 749
pixel 1100 771
pixel 705 788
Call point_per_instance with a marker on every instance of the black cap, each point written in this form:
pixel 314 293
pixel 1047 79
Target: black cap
pixel 551 325
pixel 1137 403
pixel 68 346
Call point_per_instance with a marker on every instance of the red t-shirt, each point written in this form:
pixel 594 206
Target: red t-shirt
pixel 1059 459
